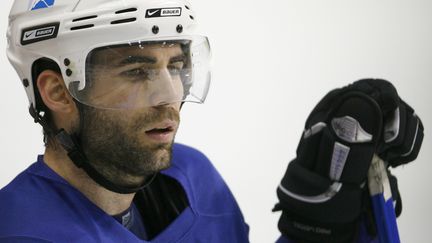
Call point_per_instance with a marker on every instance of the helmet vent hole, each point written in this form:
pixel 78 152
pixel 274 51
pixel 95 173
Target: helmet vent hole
pixel 155 29
pixel 82 27
pixel 84 18
pixel 179 28
pixel 25 82
pixel 191 17
pixel 128 10
pixel 187 7
pixel 122 21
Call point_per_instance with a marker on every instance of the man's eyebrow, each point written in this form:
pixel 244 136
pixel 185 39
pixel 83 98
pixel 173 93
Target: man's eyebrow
pixel 137 59
pixel 179 58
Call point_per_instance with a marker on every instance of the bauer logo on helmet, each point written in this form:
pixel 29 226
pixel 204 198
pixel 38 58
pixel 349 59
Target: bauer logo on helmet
pixel 163 12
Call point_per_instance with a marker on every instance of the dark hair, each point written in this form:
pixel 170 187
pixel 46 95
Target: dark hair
pixel 38 67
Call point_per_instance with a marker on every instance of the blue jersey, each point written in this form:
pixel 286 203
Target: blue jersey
pixel 40 206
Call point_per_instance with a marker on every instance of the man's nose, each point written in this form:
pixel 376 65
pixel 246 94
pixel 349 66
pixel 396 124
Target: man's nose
pixel 164 90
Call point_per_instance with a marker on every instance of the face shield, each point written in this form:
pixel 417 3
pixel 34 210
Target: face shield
pixel 145 73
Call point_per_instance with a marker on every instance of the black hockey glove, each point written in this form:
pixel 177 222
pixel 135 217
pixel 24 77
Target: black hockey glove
pixel 403 130
pixel 324 191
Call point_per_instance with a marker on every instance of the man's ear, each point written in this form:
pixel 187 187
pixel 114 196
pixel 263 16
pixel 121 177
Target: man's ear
pixel 54 93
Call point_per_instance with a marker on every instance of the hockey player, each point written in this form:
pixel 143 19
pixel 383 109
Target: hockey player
pixel 106 80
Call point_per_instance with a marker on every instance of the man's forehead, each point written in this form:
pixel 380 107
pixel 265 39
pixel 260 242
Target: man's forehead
pixel 152 50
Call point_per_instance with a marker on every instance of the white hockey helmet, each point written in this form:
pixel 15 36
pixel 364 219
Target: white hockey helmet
pixel 108 50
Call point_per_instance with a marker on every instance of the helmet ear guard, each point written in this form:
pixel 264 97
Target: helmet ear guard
pixel 37 68
pixel 39 106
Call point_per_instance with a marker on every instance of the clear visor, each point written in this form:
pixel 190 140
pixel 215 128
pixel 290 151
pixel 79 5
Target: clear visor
pixel 147 73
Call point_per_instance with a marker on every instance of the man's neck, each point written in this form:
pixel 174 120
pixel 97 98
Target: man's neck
pixel 110 202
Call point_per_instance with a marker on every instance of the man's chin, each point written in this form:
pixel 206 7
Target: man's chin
pixel 159 158
pixel 163 157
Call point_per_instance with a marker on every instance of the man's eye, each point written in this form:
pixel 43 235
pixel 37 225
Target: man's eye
pixel 136 73
pixel 175 69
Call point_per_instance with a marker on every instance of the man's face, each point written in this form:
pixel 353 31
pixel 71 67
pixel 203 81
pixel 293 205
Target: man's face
pixel 130 142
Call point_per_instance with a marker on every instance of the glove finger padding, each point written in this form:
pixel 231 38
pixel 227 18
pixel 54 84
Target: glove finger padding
pixel 403 136
pixel 322 190
pixel 403 129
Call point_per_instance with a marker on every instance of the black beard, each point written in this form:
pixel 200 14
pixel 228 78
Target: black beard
pixel 111 144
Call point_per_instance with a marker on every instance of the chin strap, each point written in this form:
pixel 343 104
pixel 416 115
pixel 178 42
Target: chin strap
pixel 71 145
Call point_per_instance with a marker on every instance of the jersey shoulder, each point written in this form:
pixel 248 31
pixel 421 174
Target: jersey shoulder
pixel 38 206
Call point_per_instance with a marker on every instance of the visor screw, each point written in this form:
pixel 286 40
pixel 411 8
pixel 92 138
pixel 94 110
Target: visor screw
pixel 66 62
pixel 25 82
pixel 179 28
pixel 155 29
pixel 69 72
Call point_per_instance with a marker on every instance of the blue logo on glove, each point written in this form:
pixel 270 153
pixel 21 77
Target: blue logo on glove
pixel 42 4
